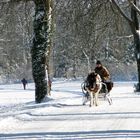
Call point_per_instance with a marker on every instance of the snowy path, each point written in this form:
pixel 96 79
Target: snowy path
pixel 64 118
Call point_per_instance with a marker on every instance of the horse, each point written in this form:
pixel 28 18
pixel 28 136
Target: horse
pixel 92 87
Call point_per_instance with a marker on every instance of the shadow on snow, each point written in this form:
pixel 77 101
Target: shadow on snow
pixel 80 135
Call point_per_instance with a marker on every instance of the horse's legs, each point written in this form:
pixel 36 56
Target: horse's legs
pixel 91 99
pixel 97 94
pixel 96 98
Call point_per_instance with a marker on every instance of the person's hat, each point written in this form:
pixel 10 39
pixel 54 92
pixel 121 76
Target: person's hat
pixel 98 62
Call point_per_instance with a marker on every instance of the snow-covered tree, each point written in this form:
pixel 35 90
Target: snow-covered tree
pixel 40 47
pixel 133 21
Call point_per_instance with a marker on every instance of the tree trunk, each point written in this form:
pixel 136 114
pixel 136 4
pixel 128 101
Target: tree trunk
pixel 134 25
pixel 137 54
pixel 39 49
pixel 135 31
pixel 49 50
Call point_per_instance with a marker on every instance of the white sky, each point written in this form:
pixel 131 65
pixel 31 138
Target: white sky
pixel 64 117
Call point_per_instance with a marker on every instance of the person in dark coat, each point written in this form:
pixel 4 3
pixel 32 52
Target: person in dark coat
pixel 102 71
pixel 104 74
pixel 24 82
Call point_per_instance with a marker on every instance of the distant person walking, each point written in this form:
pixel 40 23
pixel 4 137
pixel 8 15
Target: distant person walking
pixel 24 82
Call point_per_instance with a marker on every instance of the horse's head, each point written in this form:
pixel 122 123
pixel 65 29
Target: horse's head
pixel 91 80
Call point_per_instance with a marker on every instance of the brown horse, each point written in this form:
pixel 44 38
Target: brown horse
pixel 93 87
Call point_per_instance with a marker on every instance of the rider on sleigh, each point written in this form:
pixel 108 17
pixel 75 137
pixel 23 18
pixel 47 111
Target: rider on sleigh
pixel 104 74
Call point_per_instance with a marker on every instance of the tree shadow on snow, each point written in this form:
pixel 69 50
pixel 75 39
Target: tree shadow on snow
pixel 69 91
pixel 79 135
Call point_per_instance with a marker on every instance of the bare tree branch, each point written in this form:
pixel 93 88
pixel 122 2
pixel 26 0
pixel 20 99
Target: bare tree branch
pixel 8 1
pixel 121 11
pixel 134 6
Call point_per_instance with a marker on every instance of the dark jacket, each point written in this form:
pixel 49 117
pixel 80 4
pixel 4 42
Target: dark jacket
pixel 103 72
pixel 24 81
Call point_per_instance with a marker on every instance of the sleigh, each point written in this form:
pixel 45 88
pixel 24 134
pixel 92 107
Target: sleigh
pixel 104 92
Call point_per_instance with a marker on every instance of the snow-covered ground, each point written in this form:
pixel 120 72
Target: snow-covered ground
pixel 63 117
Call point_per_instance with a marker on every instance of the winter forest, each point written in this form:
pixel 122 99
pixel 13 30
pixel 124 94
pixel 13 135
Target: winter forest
pixel 55 45
pixel 66 37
